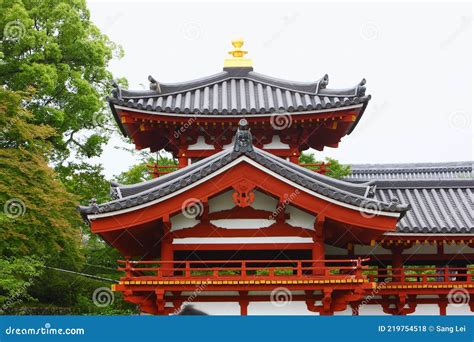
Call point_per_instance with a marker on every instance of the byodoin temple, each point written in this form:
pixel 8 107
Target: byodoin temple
pixel 240 220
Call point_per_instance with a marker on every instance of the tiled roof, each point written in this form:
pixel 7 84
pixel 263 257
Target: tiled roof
pixel 451 170
pixel 353 194
pixel 440 194
pixel 239 91
pixel 437 206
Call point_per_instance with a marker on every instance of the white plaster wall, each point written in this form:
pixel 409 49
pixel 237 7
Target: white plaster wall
pixel 299 218
pixel 457 249
pixel 180 221
pixel 200 145
pixel 221 240
pixel 242 223
pixel 377 249
pixel 276 144
pixel 421 249
pixel 221 202
pixel 264 202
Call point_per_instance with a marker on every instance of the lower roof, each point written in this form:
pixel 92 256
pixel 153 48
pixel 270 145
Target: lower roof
pixel 440 194
pixel 449 170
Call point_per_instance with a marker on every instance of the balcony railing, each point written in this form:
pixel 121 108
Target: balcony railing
pixel 423 275
pixel 243 269
pixel 331 270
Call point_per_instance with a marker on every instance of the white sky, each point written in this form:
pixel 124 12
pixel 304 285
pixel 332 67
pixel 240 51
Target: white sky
pixel 417 60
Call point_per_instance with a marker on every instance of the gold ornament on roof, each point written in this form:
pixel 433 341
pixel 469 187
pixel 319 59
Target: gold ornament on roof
pixel 237 60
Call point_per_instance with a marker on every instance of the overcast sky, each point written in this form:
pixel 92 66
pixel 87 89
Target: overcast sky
pixel 417 60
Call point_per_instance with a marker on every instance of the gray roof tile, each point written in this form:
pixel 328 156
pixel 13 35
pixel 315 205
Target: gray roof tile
pixel 354 194
pixel 239 91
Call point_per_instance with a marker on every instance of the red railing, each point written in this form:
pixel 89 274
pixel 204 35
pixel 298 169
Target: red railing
pixel 321 168
pixel 244 269
pixel 410 274
pixel 158 170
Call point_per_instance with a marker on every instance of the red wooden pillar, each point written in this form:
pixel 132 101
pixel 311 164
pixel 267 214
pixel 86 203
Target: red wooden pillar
pixel 244 303
pixel 318 250
pixel 182 158
pixel 443 305
pixel 167 248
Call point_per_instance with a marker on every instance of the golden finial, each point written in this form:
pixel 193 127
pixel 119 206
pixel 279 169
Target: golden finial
pixel 237 60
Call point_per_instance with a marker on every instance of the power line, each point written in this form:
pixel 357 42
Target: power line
pixel 82 274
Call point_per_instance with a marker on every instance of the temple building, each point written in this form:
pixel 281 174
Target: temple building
pixel 241 221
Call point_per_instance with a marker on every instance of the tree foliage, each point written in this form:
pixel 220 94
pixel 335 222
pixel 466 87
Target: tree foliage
pixel 53 47
pixel 336 169
pixel 38 216
pixel 140 172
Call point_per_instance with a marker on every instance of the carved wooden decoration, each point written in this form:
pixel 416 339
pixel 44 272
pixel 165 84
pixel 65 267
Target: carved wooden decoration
pixel 243 195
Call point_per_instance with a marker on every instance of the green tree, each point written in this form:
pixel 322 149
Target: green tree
pixel 141 172
pixel 38 216
pixel 18 275
pixel 336 169
pixel 53 47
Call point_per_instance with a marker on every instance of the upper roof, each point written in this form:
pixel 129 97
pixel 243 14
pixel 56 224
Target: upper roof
pixel 357 195
pixel 239 91
pixel 450 170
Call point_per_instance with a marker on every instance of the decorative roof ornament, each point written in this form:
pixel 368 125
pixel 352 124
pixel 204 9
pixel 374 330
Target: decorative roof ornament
pixel 238 60
pixel 243 138
pixel 154 84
